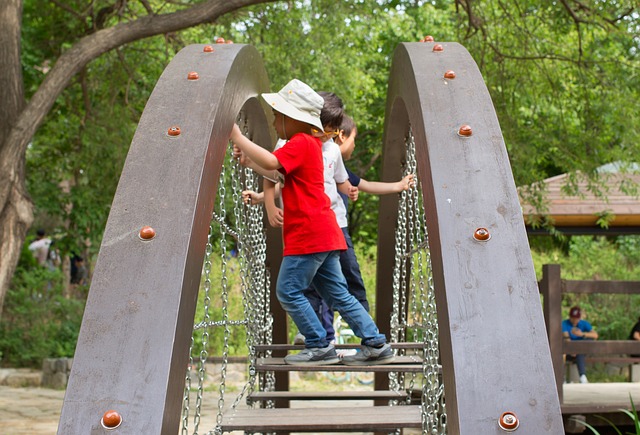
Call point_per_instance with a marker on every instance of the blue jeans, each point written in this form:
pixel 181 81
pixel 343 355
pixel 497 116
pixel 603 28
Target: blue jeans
pixel 324 313
pixel 322 269
pixel 581 362
pixel 351 271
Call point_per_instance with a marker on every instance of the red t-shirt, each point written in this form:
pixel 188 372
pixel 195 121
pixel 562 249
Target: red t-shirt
pixel 309 223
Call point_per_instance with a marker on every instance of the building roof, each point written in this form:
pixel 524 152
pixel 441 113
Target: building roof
pixel 583 207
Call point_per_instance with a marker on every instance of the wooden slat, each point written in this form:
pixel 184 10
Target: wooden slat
pixel 605 287
pixel 593 347
pixel 327 395
pixel 323 419
pixel 406 364
pixel 265 347
pixel 598 398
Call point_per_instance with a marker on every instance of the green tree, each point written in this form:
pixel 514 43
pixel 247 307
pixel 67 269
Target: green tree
pixel 95 28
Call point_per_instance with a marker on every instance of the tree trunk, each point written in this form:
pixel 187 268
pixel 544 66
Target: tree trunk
pixel 16 210
pixel 20 122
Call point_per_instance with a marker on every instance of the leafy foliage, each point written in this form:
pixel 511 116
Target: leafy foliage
pixel 38 322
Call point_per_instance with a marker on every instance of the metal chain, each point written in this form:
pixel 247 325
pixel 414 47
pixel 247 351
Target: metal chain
pixel 414 294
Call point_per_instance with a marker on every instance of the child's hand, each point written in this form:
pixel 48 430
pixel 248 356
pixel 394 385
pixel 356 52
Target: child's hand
pixel 353 193
pixel 240 156
pixel 408 182
pixel 251 197
pixel 276 216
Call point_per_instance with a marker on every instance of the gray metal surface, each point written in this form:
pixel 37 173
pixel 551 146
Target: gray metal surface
pixel 493 343
pixel 133 348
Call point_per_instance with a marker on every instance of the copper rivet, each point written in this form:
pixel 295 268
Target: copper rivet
pixel 508 421
pixel 438 47
pixel 193 76
pixel 111 419
pixel 220 40
pixel 174 131
pixel 465 130
pixel 207 49
pixel 482 234
pixel 427 38
pixel 450 75
pixel 147 233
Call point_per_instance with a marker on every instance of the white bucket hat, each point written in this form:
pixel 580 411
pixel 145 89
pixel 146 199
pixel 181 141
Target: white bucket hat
pixel 298 101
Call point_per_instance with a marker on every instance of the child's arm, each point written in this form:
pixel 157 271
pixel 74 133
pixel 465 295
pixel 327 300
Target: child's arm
pixel 268 196
pixel 247 162
pixel 255 152
pixel 348 189
pixel 275 215
pixel 252 198
pixel 381 188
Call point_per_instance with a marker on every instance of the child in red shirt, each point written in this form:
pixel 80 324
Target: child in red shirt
pixel 312 237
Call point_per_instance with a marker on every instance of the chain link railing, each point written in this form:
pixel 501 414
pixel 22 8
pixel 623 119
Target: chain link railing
pixel 243 227
pixel 414 316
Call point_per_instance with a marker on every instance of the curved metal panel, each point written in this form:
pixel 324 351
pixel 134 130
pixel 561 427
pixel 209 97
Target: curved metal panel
pixel 493 343
pixel 133 348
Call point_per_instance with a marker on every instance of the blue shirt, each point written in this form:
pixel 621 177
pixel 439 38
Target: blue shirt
pixel 582 325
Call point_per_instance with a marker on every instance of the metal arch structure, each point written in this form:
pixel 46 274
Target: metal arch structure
pixel 493 345
pixel 133 348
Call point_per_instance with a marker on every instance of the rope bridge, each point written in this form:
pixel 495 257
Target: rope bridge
pixel 464 315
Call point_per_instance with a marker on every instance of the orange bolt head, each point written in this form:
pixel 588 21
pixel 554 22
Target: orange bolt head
pixel 207 49
pixel 427 38
pixel 220 40
pixel 174 131
pixel 482 234
pixel 193 76
pixel 508 421
pixel 229 41
pixel 465 130
pixel 147 233
pixel 438 47
pixel 111 419
pixel 450 75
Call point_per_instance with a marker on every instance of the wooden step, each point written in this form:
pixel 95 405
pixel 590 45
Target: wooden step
pixel 370 418
pixel 408 364
pixel 266 347
pixel 328 395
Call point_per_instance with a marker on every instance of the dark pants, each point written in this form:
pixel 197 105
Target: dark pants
pixel 355 284
pixel 325 315
pixel 581 362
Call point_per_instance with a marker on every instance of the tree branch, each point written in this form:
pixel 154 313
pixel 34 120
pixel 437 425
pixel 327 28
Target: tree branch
pixel 147 7
pixel 68 9
pixel 96 44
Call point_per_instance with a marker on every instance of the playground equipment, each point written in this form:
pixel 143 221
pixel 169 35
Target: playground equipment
pixel 465 293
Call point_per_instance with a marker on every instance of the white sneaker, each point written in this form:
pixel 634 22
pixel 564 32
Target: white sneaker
pixel 298 339
pixel 346 352
pixel 583 379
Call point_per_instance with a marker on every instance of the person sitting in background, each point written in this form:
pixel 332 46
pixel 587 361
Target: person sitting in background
pixel 635 334
pixel 576 328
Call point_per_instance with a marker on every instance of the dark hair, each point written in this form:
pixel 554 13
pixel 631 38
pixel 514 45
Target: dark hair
pixel 332 111
pixel 348 125
pixel 41 232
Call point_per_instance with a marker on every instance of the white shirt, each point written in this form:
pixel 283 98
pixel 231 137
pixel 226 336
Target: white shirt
pixel 334 172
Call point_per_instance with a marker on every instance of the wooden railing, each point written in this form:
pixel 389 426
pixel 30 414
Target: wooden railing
pixel 552 287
